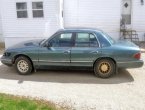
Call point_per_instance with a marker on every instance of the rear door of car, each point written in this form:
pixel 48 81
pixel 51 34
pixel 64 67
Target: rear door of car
pixel 58 53
pixel 86 49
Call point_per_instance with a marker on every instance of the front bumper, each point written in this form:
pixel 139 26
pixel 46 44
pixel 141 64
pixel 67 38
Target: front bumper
pixel 130 64
pixel 6 61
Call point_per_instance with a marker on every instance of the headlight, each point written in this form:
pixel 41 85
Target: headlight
pixel 7 54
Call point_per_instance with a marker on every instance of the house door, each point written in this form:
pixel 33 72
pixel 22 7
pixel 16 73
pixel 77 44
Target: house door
pixel 126 13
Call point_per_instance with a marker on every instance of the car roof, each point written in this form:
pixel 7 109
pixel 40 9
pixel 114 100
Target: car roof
pixel 80 29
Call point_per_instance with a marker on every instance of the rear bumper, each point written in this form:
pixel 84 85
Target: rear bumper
pixel 130 64
pixel 6 61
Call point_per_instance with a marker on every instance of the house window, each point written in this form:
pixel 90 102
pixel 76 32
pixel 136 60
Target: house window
pixel 37 8
pixel 21 10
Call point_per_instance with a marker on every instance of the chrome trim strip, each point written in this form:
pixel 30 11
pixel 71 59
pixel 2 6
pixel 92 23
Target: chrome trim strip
pixel 35 60
pixel 130 62
pixel 81 62
pixel 54 61
pixel 63 61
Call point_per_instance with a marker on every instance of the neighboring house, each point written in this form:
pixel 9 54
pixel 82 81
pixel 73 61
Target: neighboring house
pixel 28 19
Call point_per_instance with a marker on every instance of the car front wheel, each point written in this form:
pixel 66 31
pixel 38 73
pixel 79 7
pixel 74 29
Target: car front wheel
pixel 104 68
pixel 23 65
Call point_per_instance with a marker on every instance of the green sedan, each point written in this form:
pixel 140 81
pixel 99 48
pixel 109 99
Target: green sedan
pixel 74 48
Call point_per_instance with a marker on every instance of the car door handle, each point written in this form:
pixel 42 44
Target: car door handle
pixel 94 52
pixel 66 52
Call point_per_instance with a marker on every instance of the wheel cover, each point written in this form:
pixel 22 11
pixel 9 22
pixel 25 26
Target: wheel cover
pixel 22 66
pixel 104 67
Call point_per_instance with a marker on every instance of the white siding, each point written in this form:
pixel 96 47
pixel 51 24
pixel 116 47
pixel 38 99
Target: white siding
pixel 20 29
pixel 102 14
pixel 138 18
pixel 1 37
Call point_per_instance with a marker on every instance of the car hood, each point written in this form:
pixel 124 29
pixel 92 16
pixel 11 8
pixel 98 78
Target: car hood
pixel 30 43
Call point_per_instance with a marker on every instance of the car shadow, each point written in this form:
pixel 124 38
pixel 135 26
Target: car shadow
pixel 64 76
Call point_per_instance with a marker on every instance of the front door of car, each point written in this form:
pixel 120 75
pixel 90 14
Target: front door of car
pixel 58 51
pixel 85 50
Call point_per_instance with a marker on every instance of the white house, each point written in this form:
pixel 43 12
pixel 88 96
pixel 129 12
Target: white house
pixel 28 19
pixel 106 15
pixel 1 37
pixel 102 14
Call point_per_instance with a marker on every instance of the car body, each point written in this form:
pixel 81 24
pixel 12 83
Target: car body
pixel 74 48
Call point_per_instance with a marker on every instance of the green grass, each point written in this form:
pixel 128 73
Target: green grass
pixel 9 102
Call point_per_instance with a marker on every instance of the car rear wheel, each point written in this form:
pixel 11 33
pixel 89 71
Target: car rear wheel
pixel 23 65
pixel 104 68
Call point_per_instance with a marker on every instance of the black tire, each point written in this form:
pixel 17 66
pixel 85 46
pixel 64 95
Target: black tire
pixel 23 65
pixel 104 68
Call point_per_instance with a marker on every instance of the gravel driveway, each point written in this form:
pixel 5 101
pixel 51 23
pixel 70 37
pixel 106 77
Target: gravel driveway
pixel 79 90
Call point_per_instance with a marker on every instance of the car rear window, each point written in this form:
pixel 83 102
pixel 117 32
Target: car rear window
pixel 103 41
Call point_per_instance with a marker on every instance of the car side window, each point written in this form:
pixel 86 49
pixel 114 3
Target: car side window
pixel 61 40
pixel 86 40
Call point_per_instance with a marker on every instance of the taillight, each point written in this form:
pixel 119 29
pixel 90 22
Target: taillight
pixel 137 55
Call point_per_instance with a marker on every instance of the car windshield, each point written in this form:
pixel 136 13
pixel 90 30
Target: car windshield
pixel 112 41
